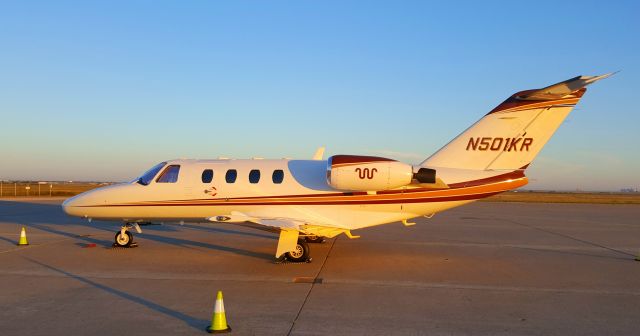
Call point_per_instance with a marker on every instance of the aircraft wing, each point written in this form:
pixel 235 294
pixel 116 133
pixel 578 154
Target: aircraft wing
pixel 290 228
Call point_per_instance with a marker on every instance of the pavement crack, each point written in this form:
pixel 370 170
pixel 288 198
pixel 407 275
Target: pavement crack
pixel 568 237
pixel 306 298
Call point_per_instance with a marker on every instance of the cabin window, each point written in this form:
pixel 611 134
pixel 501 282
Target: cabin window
pixel 207 176
pixel 278 176
pixel 254 176
pixel 231 176
pixel 169 175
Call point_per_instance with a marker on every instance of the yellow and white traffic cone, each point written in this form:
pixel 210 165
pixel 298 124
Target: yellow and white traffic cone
pixel 219 320
pixel 23 237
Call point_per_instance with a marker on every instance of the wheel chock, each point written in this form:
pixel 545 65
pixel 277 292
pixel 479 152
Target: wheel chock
pixel 133 244
pixel 285 261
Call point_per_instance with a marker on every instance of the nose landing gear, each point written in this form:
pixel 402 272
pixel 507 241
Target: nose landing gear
pixel 124 238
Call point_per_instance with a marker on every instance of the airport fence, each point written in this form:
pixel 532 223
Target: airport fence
pixel 44 189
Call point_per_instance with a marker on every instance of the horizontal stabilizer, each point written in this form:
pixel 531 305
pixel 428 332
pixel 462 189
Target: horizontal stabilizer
pixel 562 89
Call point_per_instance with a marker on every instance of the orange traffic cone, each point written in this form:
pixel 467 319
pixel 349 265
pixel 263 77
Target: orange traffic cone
pixel 219 320
pixel 23 237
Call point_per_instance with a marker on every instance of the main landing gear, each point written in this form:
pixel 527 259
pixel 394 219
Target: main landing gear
pixel 300 253
pixel 124 238
pixel 314 239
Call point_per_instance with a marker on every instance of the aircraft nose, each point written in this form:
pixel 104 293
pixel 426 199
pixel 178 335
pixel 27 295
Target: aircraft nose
pixel 89 202
pixel 70 206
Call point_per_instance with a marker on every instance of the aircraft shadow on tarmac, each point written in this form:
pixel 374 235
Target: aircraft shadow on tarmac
pixel 191 321
pixel 229 231
pixel 58 218
pixel 25 214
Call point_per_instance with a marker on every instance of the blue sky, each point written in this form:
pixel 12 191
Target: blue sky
pixel 102 91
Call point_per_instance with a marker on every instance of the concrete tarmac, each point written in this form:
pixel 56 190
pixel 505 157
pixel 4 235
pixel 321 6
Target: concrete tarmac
pixel 482 269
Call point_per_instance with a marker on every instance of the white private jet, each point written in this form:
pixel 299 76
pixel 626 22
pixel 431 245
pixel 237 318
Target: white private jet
pixel 307 200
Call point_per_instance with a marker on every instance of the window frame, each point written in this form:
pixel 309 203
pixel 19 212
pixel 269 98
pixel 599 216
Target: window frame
pixel 145 180
pixel 210 179
pixel 273 176
pixel 253 171
pixel 235 176
pixel 165 171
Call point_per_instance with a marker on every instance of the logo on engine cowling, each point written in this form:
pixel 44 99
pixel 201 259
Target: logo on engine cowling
pixel 366 173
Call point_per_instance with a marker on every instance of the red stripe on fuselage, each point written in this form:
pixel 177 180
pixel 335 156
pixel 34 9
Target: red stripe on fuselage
pixel 491 186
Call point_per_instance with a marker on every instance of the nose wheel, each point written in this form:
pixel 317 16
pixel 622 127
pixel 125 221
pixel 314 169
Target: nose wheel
pixel 124 238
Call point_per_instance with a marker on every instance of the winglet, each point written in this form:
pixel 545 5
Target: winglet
pixel 319 154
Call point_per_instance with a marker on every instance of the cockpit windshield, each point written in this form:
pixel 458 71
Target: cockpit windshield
pixel 148 176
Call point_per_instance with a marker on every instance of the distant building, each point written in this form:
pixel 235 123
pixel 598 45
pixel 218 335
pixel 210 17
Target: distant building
pixel 629 190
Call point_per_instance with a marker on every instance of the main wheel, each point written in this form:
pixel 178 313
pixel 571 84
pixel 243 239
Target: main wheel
pixel 314 239
pixel 124 240
pixel 300 253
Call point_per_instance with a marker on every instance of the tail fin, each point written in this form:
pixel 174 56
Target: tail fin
pixel 511 135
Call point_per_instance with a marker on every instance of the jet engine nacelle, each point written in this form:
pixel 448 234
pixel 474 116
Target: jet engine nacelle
pixel 367 173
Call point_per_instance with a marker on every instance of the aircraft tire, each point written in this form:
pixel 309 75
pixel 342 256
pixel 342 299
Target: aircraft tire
pixel 314 239
pixel 300 253
pixel 123 241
